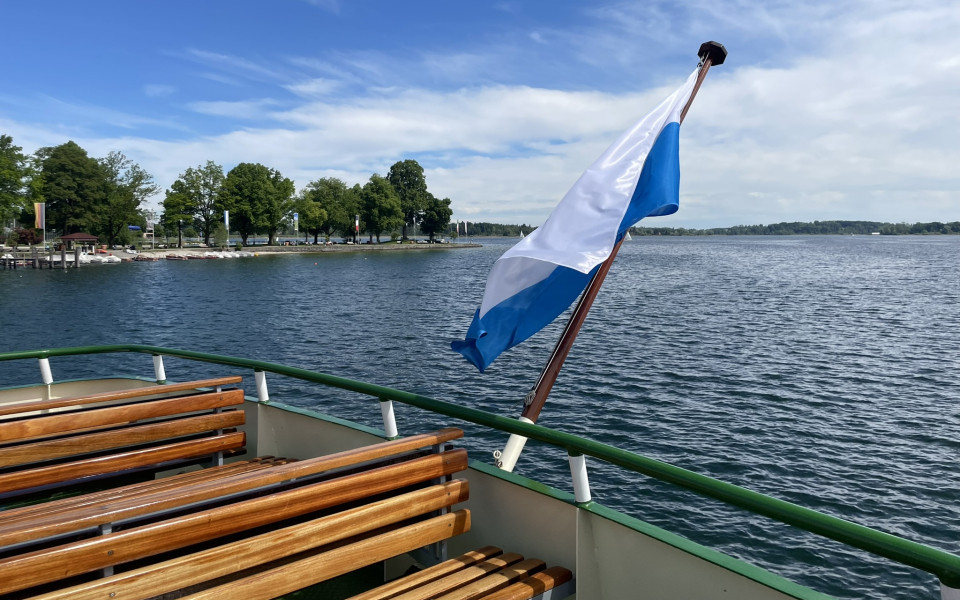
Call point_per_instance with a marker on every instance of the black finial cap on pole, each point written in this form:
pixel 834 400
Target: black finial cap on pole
pixel 714 51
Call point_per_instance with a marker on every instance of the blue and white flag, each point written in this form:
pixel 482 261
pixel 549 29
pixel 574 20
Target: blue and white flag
pixel 538 278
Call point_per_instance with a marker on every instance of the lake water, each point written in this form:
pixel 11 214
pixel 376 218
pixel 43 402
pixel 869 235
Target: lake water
pixel 820 370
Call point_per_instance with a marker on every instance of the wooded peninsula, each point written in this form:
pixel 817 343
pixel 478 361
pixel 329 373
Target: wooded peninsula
pixel 814 228
pixel 481 229
pixel 63 190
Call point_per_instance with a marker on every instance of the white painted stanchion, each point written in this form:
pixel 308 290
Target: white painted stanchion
pixel 389 419
pixel 507 459
pixel 949 593
pixel 45 373
pixel 578 470
pixel 158 371
pixel 47 376
pixel 262 394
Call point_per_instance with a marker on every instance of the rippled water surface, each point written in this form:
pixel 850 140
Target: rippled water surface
pixel 820 370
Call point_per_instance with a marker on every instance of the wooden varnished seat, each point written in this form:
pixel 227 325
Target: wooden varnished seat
pixel 183 532
pixel 484 574
pixel 64 441
pixel 257 528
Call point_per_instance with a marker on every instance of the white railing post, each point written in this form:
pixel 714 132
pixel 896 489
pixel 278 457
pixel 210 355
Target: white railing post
pixel 507 459
pixel 159 373
pixel 578 470
pixel 389 419
pixel 45 373
pixel 949 593
pixel 262 394
pixel 47 376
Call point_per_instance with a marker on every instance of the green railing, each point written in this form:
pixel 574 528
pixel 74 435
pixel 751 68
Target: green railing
pixel 944 565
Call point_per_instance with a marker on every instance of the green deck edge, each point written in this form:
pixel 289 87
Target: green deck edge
pixel 944 565
pixel 735 565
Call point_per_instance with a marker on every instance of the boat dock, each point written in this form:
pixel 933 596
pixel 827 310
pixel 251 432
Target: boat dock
pixel 35 260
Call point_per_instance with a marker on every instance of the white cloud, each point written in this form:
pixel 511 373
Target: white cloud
pixel 317 86
pixel 332 6
pixel 868 132
pixel 158 90
pixel 243 109
pixel 237 66
pixel 862 125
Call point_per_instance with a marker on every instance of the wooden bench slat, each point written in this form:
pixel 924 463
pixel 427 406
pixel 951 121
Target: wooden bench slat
pixel 115 463
pixel 23 513
pixel 533 586
pixel 118 508
pixel 403 584
pixel 35 405
pixel 59 423
pixel 118 438
pixel 321 567
pixel 47 565
pixel 495 581
pixel 177 573
pixel 66 514
pixel 460 578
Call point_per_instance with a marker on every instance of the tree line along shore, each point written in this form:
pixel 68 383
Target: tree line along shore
pixel 106 197
pixel 813 228
pixel 481 229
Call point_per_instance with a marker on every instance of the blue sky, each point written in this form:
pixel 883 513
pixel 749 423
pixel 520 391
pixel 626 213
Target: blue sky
pixel 823 110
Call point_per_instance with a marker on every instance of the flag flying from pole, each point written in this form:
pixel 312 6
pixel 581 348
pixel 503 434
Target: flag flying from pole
pixel 40 215
pixel 538 278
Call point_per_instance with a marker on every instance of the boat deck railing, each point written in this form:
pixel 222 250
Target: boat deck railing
pixel 944 565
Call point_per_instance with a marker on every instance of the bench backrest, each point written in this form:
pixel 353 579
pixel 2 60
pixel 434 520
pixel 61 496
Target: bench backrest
pixel 65 440
pixel 280 496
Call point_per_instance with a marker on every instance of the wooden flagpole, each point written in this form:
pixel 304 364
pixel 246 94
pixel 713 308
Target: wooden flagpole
pixel 710 53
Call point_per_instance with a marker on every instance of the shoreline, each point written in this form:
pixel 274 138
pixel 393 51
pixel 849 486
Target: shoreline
pixel 304 249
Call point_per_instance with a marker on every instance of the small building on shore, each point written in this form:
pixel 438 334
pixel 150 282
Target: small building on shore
pixel 82 239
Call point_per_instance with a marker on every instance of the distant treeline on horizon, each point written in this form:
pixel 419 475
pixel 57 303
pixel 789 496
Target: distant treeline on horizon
pixel 495 229
pixel 796 228
pixel 814 228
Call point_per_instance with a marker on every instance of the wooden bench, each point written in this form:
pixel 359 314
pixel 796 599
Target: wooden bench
pixel 65 441
pixel 487 574
pixel 258 528
pixel 184 531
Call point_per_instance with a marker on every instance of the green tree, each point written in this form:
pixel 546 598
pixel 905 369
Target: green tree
pixel 127 186
pixel 200 189
pixel 436 216
pixel 220 236
pixel 74 187
pixel 348 227
pixel 15 174
pixel 311 216
pixel 407 179
pixel 177 209
pixel 380 207
pixel 242 187
pixel 258 198
pixel 278 206
pixel 336 201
